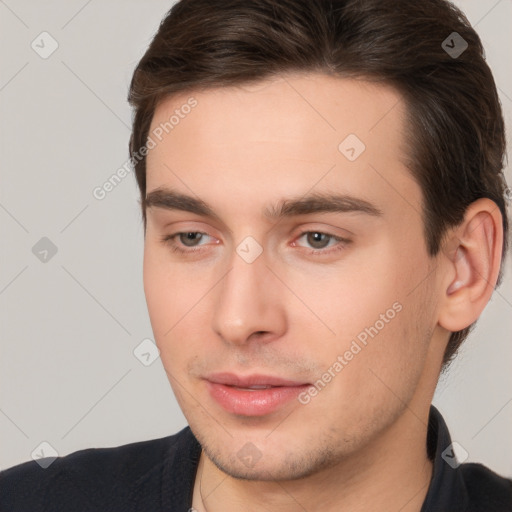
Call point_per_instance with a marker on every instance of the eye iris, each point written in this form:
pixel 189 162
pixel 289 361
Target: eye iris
pixel 315 240
pixel 191 236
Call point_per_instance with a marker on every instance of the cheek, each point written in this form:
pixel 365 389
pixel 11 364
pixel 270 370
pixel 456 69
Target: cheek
pixel 377 309
pixel 349 297
pixel 167 294
pixel 393 336
pixel 177 305
pixel 157 286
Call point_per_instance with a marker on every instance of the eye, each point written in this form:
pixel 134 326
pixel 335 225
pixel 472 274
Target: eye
pixel 182 239
pixel 189 241
pixel 319 241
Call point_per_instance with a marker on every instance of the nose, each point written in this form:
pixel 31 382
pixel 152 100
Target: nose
pixel 249 304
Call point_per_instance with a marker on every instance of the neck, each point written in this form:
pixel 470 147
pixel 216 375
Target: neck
pixel 391 473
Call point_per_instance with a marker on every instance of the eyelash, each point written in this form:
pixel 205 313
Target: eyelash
pixel 169 240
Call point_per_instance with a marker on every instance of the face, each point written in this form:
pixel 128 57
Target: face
pixel 290 294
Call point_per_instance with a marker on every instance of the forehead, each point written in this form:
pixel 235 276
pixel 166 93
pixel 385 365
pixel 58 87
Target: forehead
pixel 325 104
pixel 279 137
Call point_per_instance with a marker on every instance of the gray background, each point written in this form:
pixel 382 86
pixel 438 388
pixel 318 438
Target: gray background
pixel 68 375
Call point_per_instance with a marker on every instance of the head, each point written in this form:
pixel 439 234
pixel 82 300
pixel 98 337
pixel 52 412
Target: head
pixel 339 165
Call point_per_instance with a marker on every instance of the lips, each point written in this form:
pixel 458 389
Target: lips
pixel 252 395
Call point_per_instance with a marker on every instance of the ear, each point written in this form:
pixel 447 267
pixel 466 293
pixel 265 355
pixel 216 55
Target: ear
pixel 471 261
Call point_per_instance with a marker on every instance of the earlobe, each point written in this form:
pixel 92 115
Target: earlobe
pixel 472 268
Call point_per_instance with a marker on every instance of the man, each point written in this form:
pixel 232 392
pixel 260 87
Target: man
pixel 324 210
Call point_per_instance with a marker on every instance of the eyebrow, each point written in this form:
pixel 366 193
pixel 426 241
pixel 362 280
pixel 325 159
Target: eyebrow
pixel 316 202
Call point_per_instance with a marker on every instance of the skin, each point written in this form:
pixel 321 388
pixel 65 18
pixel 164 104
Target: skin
pixel 291 313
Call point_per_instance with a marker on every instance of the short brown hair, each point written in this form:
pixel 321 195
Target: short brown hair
pixel 457 135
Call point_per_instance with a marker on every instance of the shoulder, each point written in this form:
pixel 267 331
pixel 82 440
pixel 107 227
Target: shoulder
pixel 88 479
pixel 487 491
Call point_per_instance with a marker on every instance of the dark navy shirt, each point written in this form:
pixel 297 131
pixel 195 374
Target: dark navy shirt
pixel 158 476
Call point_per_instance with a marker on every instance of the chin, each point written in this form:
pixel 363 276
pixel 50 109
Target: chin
pixel 271 463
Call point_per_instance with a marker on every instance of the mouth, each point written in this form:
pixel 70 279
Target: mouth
pixel 252 395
